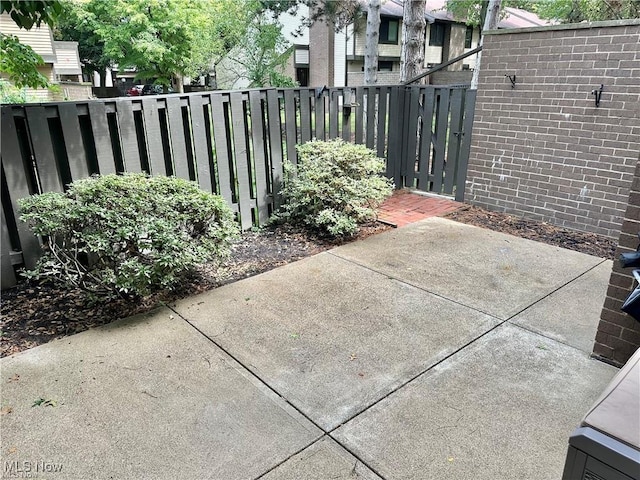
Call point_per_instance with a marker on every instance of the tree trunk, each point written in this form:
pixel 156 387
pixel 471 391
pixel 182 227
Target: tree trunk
pixel 413 39
pixel 179 83
pixel 490 23
pixel 371 44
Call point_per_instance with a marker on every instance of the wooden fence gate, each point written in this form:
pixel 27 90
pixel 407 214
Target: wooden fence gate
pixel 232 143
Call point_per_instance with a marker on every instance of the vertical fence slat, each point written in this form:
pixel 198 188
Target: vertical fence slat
pixel 128 137
pixel 358 111
pixel 320 116
pixel 394 154
pixel 48 170
pixel 275 145
pixel 290 124
pixel 200 144
pixel 440 139
pixel 178 142
pixel 222 151
pixel 259 160
pixel 8 275
pixel 305 115
pixel 411 136
pixel 241 160
pixel 425 139
pixel 333 113
pixel 455 130
pixel 17 179
pixel 370 127
pixel 382 121
pixel 347 100
pixel 153 136
pixel 76 154
pixel 465 145
pixel 102 138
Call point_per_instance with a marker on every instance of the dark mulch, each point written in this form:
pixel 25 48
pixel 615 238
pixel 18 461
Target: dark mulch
pixel 589 243
pixel 32 314
pixel 35 313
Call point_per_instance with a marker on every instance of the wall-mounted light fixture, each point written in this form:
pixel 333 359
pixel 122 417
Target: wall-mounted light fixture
pixel 512 78
pixel 598 93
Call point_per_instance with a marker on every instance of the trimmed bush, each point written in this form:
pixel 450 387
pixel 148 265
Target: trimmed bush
pixel 127 234
pixel 334 188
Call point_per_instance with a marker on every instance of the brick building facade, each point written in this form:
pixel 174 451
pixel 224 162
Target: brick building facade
pixel 618 334
pixel 542 149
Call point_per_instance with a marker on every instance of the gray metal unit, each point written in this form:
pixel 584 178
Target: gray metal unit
pixel 593 455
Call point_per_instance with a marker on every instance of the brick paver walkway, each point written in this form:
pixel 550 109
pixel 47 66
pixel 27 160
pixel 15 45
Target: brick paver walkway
pixel 405 207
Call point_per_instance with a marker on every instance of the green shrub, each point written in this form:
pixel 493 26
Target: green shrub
pixel 335 187
pixel 127 234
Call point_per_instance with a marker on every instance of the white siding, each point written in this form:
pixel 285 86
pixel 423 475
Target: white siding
pixel 340 59
pixel 302 56
pixel 67 59
pixel 290 23
pixel 40 39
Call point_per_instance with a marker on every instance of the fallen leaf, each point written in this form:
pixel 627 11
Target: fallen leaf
pixel 13 450
pixel 6 410
pixel 450 459
pixel 15 378
pixel 353 357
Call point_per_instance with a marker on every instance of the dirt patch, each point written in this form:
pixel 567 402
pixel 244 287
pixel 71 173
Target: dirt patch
pixel 589 243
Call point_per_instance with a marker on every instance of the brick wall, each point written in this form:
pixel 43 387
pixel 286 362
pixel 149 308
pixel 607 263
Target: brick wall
pixel 618 334
pixel 543 150
pixel 321 67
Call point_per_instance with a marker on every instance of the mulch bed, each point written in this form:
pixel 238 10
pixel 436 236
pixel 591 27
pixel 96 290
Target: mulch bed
pixel 35 313
pixel 588 243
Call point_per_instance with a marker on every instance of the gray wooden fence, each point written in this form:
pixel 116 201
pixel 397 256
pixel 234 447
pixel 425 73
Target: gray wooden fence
pixel 231 143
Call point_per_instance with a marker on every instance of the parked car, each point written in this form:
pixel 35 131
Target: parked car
pixel 135 91
pixel 155 90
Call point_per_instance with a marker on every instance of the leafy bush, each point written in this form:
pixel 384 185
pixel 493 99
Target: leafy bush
pixel 127 234
pixel 335 187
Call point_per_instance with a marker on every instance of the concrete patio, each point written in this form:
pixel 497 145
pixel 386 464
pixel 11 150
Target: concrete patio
pixel 433 351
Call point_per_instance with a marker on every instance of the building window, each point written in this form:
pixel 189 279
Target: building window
pixel 389 30
pixel 385 66
pixel 468 38
pixel 436 34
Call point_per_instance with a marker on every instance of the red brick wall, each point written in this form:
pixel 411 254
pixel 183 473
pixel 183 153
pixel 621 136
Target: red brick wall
pixel 543 150
pixel 618 334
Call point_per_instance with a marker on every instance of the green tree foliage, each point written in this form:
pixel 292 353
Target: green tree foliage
pixel 21 63
pixel 574 11
pixel 563 11
pixel 128 235
pixel 262 55
pixel 18 61
pixel 79 23
pixel 162 39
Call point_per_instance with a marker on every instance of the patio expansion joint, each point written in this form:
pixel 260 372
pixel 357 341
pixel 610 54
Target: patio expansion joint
pixel 399 280
pixel 326 435
pixel 512 317
pixel 257 378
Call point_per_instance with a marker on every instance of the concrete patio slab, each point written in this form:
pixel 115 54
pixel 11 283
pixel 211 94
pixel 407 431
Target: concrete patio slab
pixel 148 397
pixel 501 408
pixel 323 460
pixel 558 316
pixel 330 336
pixel 496 273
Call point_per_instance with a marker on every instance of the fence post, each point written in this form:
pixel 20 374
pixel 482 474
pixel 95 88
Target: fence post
pixel 465 145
